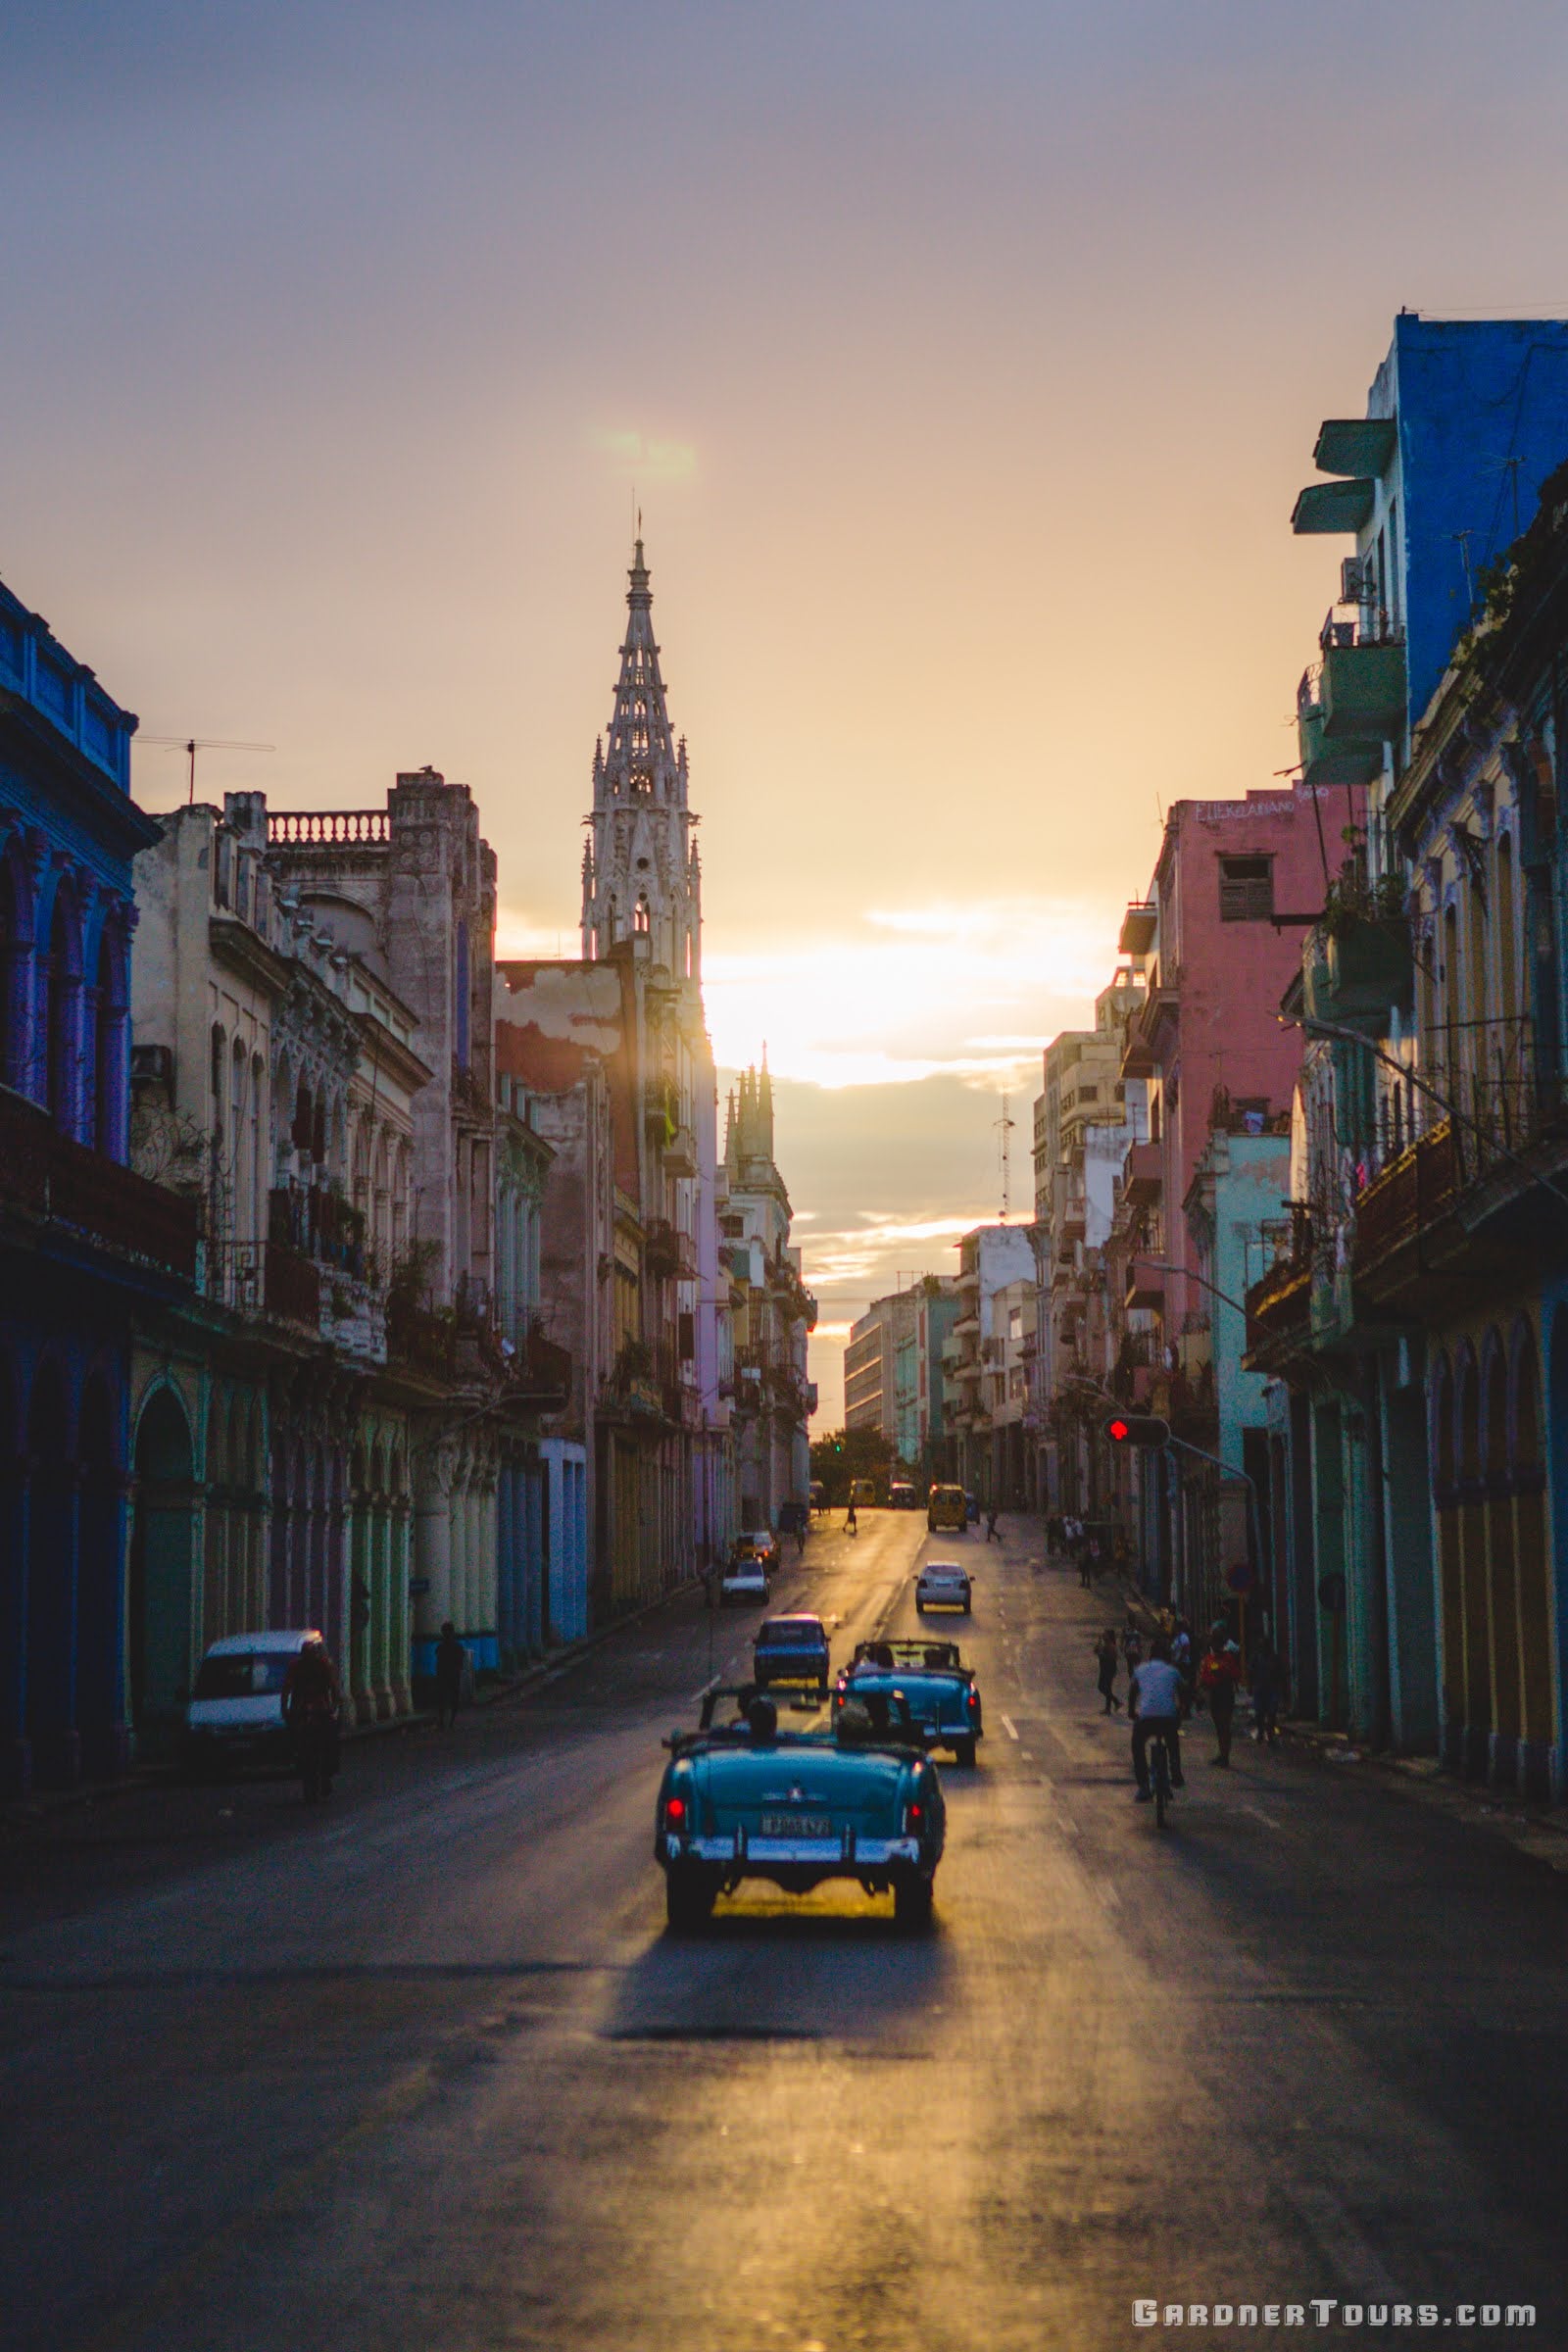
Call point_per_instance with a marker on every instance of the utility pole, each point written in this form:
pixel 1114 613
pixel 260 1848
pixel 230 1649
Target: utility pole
pixel 1004 1127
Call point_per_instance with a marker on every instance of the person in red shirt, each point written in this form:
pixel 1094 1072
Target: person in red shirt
pixel 1217 1677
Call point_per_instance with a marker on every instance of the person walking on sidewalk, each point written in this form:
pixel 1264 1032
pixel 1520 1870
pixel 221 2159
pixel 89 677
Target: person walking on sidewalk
pixel 1105 1652
pixel 451 1662
pixel 1267 1676
pixel 1217 1678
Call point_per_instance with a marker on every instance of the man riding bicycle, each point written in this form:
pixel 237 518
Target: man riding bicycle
pixel 1156 1698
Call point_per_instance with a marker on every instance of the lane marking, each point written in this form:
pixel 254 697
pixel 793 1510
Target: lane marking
pixel 1267 1819
pixel 1011 1727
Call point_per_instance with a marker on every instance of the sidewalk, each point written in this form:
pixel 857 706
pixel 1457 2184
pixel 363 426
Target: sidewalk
pixel 1537 1831
pixel 45 1804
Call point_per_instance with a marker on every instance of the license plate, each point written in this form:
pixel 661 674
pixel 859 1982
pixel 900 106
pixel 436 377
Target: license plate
pixel 795 1825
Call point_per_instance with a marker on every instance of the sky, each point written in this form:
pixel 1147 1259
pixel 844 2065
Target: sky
pixel 964 365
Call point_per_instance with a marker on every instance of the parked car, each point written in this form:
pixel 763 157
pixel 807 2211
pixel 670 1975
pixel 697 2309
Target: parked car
pixel 234 1715
pixel 748 1800
pixel 943 1585
pixel 819 1496
pixel 792 1650
pixel 941 1691
pixel 946 1510
pixel 745 1578
pixel 862 1493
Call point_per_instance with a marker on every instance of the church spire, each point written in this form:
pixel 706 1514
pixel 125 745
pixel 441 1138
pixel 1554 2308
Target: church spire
pixel 643 876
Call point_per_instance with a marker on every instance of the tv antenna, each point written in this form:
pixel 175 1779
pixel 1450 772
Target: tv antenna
pixel 1004 1127
pixel 190 744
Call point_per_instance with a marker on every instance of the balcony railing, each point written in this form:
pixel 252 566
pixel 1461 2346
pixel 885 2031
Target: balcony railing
pixel 48 1176
pixel 293 828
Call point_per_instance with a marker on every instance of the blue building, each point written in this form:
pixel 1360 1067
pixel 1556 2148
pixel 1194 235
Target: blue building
pixel 82 1239
pixel 1413 1429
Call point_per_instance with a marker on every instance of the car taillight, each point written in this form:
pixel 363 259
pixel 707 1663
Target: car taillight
pixel 675 1810
pixel 914 1812
pixel 974 1699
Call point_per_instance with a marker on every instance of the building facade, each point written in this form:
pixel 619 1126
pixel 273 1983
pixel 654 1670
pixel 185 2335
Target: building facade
pixel 89 1499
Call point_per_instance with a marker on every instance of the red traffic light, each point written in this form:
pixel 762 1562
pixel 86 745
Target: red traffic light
pixel 1137 1429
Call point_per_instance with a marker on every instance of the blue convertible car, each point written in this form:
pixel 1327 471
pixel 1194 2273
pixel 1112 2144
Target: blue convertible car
pixel 748 1800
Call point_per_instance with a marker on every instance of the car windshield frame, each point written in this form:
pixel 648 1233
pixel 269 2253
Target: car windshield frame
pixel 791 1633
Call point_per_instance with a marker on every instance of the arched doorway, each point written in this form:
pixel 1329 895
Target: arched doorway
pixel 15 1766
pixel 101 1552
pixel 51 1599
pixel 1478 1683
pixel 1473 1559
pixel 1535 1598
pixel 162 1569
pixel 1451 1566
pixel 1502 1574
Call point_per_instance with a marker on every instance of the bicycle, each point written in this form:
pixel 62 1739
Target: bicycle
pixel 1156 1755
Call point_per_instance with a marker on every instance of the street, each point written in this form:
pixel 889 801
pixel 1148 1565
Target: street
pixel 422 2068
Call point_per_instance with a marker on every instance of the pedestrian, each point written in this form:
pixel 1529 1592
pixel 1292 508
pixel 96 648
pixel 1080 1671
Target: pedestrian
pixel 852 1525
pixel 1181 1648
pixel 1105 1652
pixel 1054 1534
pixel 1095 1561
pixel 1132 1647
pixel 1266 1679
pixel 451 1664
pixel 1217 1678
pixel 992 1517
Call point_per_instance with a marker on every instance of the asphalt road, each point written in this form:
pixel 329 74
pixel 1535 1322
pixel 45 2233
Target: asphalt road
pixel 421 2068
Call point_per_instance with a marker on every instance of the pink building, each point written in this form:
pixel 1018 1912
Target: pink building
pixel 1236 885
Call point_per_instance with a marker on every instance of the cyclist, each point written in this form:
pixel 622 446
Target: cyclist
pixel 1156 1698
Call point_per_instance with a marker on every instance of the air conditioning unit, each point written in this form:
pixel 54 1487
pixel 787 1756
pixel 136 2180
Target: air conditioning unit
pixel 1357 585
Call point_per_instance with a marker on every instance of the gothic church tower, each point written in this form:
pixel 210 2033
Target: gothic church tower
pixel 640 867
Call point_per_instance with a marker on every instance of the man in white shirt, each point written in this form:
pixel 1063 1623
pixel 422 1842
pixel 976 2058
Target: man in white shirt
pixel 1156 1698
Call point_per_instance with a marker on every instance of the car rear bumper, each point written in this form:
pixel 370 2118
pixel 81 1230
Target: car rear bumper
pixel 735 1850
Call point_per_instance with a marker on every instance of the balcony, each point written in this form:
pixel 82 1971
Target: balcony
pixel 680 1154
pixel 1145 1284
pixel 1355 444
pixel 291 1285
pixel 1333 506
pixel 668 1252
pixel 1362 690
pixel 1142 1175
pixel 1412 1194
pixel 1358 971
pixel 1351 760
pixel 62 1183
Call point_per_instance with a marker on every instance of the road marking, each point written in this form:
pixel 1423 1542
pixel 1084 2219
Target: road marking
pixel 1258 1814
pixel 1011 1727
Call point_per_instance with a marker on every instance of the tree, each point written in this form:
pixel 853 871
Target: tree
pixel 850 1453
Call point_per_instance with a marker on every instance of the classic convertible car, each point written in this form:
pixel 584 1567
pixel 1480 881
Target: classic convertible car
pixel 940 1691
pixel 745 1799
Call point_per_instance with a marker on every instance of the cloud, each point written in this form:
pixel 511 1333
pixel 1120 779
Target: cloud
pixel 647 457
pixel 892 1000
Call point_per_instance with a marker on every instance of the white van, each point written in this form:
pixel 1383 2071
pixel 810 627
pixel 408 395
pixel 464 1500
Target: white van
pixel 235 1712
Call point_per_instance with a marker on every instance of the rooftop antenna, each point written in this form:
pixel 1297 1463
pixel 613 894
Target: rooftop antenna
pixel 1004 1127
pixel 190 744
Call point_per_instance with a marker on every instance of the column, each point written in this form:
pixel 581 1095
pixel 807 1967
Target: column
pixel 400 1615
pixel 431 1562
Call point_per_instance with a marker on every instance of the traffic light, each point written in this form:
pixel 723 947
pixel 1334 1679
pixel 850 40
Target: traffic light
pixel 1137 1429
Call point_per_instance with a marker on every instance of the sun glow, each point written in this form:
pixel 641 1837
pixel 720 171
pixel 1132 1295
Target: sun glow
pixel 964 991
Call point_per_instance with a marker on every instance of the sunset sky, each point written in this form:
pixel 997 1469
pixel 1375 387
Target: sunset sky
pixel 964 363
